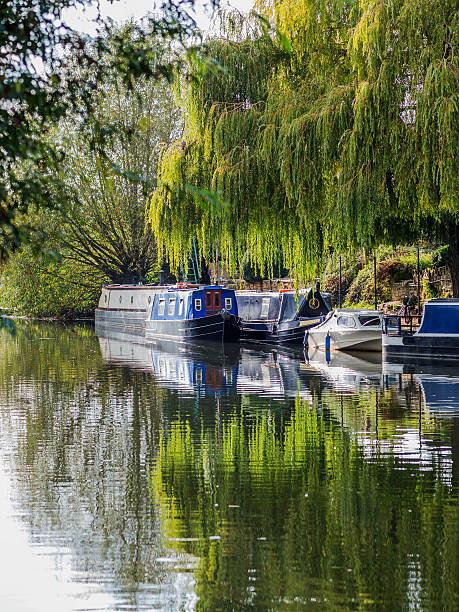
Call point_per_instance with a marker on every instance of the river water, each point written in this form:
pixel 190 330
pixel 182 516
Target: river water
pixel 151 478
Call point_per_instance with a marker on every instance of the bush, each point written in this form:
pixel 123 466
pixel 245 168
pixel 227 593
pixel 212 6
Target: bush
pixel 48 288
pixel 391 267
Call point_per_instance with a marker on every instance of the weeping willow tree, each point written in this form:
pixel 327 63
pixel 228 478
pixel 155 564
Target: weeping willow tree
pixel 320 124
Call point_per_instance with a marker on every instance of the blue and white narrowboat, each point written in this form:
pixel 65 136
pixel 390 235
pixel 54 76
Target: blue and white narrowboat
pixel 437 336
pixel 280 316
pixel 186 312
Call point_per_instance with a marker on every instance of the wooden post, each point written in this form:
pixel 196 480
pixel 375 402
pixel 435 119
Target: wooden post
pixel 419 288
pixel 340 280
pixel 374 274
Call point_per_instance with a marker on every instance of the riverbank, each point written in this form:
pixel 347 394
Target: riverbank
pixel 52 298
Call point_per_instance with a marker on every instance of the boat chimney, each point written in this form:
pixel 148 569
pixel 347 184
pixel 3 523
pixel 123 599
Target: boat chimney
pixel 161 278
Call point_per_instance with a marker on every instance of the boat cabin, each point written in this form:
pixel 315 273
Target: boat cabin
pixel 440 316
pixel 280 316
pixel 281 305
pixel 184 302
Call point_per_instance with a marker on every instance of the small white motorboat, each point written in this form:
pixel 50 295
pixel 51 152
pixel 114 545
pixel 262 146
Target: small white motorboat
pixel 348 329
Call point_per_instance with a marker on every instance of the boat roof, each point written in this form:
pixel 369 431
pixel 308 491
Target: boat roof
pixel 443 301
pixel 178 287
pixel 358 311
pixel 249 292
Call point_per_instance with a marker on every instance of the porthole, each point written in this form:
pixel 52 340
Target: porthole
pixel 197 304
pixel 228 303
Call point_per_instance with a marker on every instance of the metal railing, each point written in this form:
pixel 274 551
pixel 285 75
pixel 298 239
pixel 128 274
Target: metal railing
pixel 401 324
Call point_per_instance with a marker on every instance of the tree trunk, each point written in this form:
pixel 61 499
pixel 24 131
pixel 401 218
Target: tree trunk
pixel 453 256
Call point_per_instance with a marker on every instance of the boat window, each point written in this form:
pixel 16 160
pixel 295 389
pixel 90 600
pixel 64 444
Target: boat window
pixel 369 320
pixel 346 321
pixel 149 299
pixel 228 303
pixel 197 304
pixel 161 306
pixel 208 299
pixel 171 307
pixel 265 308
pixel 180 308
pixel 121 298
pixel 217 299
pixel 105 299
pixel 132 299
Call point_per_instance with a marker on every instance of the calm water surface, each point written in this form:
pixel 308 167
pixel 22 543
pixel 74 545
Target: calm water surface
pixel 153 478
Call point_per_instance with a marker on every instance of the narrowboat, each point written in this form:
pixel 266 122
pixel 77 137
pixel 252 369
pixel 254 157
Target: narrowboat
pixel 190 312
pixel 348 329
pixel 436 338
pixel 280 316
pixel 175 313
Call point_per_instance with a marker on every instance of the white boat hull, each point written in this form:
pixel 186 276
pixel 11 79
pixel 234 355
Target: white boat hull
pixel 355 339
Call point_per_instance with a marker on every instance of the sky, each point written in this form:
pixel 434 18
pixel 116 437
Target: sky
pixel 123 10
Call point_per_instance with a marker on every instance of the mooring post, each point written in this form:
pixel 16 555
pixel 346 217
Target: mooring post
pixel 339 287
pixel 374 274
pixel 419 288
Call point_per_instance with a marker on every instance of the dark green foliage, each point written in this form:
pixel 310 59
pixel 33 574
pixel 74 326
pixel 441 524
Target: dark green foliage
pixel 48 70
pixel 39 287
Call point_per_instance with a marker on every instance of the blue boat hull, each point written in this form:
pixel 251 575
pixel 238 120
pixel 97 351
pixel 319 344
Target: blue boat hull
pixel 214 328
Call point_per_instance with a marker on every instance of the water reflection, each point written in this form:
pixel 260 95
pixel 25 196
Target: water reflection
pixel 212 479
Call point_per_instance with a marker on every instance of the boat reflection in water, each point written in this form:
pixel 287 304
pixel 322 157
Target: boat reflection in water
pixel 439 385
pixel 216 369
pixel 348 371
pixel 207 370
pixel 353 372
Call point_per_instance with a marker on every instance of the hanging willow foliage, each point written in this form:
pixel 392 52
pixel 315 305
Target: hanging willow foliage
pixel 336 127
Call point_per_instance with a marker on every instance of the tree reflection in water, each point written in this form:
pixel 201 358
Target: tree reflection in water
pixel 165 490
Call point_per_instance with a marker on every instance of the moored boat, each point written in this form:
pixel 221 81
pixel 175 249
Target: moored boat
pixel 348 329
pixel 436 338
pixel 174 313
pixel 280 316
pixel 192 312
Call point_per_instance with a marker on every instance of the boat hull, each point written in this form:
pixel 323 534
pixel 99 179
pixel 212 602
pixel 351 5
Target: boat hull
pixel 124 321
pixel 431 346
pixel 214 328
pixel 291 332
pixel 352 340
